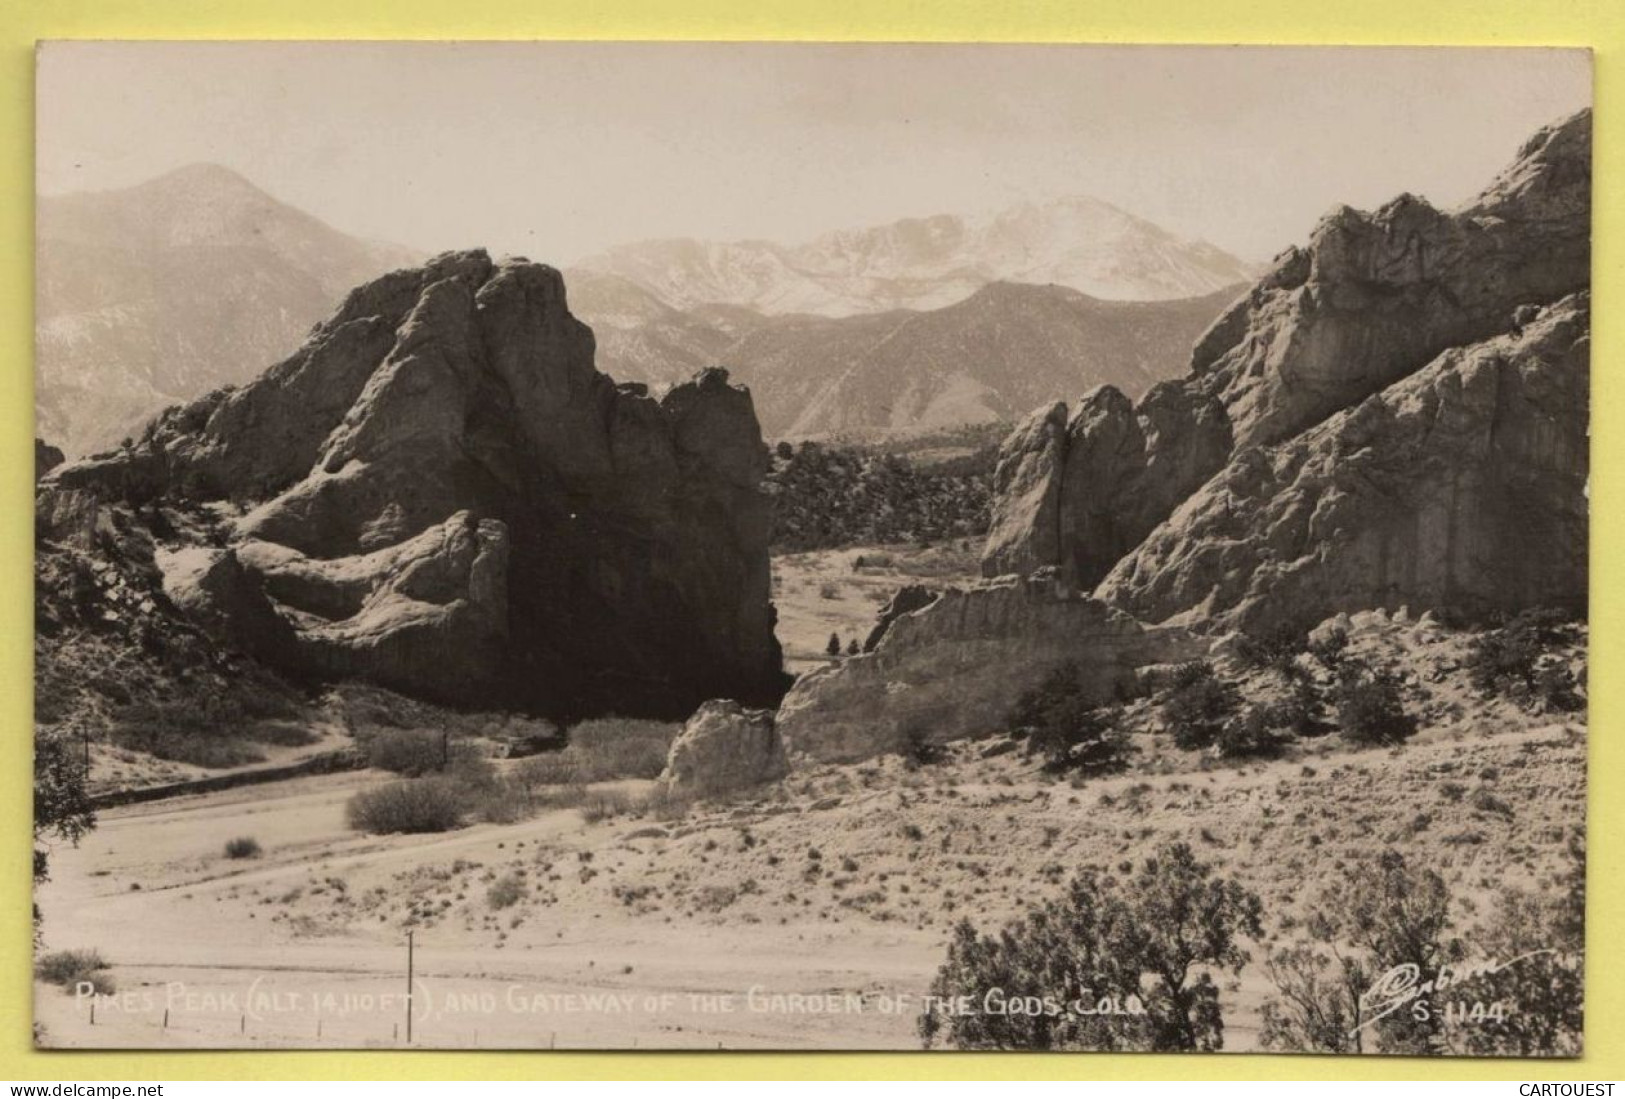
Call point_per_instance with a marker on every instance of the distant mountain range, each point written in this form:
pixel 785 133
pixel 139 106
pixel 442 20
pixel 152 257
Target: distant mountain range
pixel 158 293
pixel 987 359
pixel 927 263
pixel 155 294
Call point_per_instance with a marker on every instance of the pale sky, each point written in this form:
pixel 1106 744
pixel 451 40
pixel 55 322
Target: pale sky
pixel 557 150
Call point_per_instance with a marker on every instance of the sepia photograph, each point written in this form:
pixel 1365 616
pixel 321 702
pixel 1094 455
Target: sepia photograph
pixel 796 546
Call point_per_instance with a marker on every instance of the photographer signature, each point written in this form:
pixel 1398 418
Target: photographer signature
pixel 1403 985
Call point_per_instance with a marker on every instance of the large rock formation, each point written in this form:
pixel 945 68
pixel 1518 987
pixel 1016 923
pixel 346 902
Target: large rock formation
pixel 1395 414
pixel 1462 486
pixel 1372 299
pixel 440 493
pixel 953 668
pixel 724 747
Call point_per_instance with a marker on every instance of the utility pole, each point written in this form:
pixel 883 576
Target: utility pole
pixel 409 988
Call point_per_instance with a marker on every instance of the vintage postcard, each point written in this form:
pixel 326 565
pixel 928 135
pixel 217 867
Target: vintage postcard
pixel 744 546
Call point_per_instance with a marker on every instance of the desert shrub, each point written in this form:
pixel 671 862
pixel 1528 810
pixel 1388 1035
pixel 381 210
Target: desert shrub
pixel 213 728
pixel 432 804
pixel 618 747
pixel 560 768
pixel 196 731
pixel 1276 649
pixel 409 752
pixel 1370 709
pixel 1253 732
pixel 1062 722
pixel 664 803
pixel 1154 941
pixel 1516 661
pixel 243 847
pixel 503 802
pixel 1384 915
pixel 599 805
pixel 506 891
pixel 1197 705
pixel 919 750
pixel 70 968
pixel 1330 647
pixel 470 767
pixel 1298 711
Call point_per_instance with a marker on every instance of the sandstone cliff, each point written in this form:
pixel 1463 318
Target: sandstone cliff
pixel 1370 300
pixel 438 492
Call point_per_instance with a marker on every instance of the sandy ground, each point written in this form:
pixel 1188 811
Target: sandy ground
pixel 832 895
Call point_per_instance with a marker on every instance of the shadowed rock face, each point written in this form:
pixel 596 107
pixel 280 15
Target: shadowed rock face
pixel 440 493
pixel 1372 299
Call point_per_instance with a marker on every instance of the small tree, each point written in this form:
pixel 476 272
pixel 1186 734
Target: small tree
pixel 1064 724
pixel 1370 709
pixel 62 807
pixel 1198 704
pixel 1517 662
pixel 1253 732
pixel 1152 942
pixel 834 646
pixel 1276 649
pixel 1385 915
pixel 853 648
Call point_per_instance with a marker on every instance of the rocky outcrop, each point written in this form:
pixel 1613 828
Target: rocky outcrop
pixel 724 747
pixel 1462 486
pixel 46 458
pixel 440 493
pixel 954 668
pixel 1370 300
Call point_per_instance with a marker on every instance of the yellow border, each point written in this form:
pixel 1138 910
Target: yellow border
pixel 1599 24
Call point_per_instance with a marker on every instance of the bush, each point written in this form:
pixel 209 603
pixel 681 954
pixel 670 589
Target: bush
pixel 1251 733
pixel 1330 648
pixel 505 892
pixel 410 752
pixel 1153 942
pixel 618 747
pixel 407 751
pixel 1276 649
pixel 1369 707
pixel 433 804
pixel 1198 704
pixel 1517 662
pixel 1061 722
pixel 918 748
pixel 68 967
pixel 243 847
